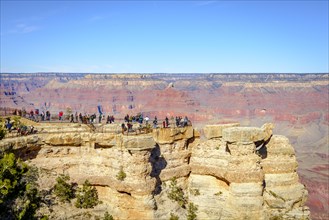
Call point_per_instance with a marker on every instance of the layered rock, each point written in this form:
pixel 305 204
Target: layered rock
pixel 283 189
pixel 236 173
pixel 248 163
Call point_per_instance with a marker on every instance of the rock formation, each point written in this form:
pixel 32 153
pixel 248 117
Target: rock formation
pixel 296 103
pixel 235 173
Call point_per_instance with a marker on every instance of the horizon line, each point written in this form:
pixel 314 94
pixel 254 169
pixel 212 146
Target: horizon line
pixel 165 73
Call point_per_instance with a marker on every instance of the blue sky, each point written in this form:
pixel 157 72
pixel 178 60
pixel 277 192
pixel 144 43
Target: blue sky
pixel 164 36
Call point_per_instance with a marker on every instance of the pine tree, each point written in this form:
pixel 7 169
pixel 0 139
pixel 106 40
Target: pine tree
pixel 19 195
pixel 87 197
pixel 62 189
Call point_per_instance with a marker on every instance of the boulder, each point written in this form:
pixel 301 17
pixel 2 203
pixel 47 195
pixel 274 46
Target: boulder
pixel 170 135
pixel 66 139
pixel 216 131
pixel 268 130
pixel 243 134
pixel 138 142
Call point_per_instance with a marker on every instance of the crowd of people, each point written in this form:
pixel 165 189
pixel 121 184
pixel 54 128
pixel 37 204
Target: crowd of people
pixel 178 121
pixel 143 123
pixel 36 115
pixel 21 129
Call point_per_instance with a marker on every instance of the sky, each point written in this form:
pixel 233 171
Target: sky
pixel 164 36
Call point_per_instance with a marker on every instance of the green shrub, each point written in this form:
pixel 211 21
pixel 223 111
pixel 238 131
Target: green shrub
pixel 176 193
pixel 87 197
pixel 121 174
pixel 17 121
pixel 173 217
pixel 3 130
pixel 19 195
pixel 45 217
pixel 107 216
pixel 276 217
pixel 62 189
pixel 191 211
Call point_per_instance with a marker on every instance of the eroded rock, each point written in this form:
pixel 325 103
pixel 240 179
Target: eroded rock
pixel 225 175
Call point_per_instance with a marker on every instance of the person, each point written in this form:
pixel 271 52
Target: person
pixel 155 122
pixel 177 121
pixel 130 127
pixel 100 118
pixel 60 115
pixel 76 117
pixel 126 118
pixel 123 128
pixel 71 118
pixel 147 120
pixel 8 124
pixel 80 117
pixel 167 122
pixel 185 121
pixel 31 115
pixel 164 124
pixel 47 115
pixel 24 113
pixel 141 119
pixel 42 116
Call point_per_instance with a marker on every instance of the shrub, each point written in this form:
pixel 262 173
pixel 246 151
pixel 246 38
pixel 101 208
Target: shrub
pixel 3 130
pixel 173 217
pixel 62 189
pixel 176 193
pixel 17 121
pixel 191 211
pixel 87 197
pixel 121 174
pixel 107 216
pixel 19 195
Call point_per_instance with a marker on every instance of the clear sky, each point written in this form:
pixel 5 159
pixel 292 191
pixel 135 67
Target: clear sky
pixel 164 36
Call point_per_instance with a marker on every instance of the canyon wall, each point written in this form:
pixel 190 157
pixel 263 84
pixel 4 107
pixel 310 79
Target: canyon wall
pixel 233 173
pixel 297 103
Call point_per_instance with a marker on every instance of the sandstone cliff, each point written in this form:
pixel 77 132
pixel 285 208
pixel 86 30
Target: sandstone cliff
pixel 235 173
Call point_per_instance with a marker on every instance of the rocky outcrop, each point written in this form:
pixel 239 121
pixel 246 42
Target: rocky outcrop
pixel 236 173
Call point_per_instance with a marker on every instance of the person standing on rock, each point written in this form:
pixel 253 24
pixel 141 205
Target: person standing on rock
pixel 100 118
pixel 177 121
pixel 60 116
pixel 155 122
pixel 147 120
pixel 123 128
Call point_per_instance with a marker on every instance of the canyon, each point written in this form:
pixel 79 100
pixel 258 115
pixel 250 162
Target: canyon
pixel 296 103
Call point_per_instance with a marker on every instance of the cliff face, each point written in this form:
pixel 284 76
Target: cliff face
pixel 204 97
pixel 235 173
